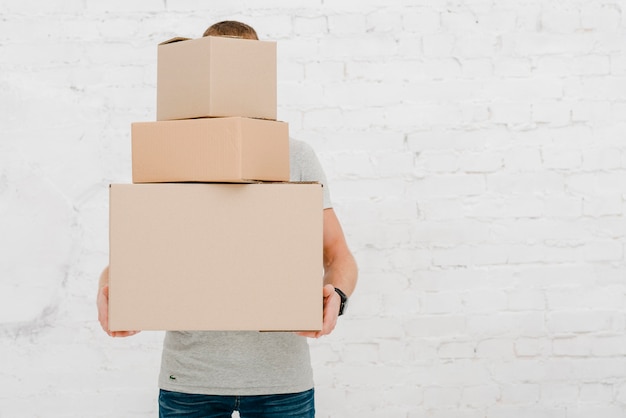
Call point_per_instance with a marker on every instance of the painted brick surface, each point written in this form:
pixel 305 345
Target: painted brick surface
pixel 477 161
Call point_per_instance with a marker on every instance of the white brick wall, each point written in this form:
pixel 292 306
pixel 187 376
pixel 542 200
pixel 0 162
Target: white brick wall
pixel 477 159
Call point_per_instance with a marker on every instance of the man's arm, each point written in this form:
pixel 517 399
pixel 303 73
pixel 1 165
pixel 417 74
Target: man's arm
pixel 103 306
pixel 340 270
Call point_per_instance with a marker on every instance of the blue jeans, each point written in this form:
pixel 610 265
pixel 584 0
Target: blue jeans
pixel 176 404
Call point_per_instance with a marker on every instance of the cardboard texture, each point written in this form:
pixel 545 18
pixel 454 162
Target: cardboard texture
pixel 216 77
pixel 216 256
pixel 210 150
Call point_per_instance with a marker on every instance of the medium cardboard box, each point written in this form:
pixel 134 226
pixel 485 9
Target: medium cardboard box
pixel 210 256
pixel 216 76
pixel 210 150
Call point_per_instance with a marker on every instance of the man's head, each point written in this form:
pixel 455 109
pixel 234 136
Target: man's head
pixel 231 28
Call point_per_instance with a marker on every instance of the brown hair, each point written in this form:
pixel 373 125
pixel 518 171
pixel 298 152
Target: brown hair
pixel 231 28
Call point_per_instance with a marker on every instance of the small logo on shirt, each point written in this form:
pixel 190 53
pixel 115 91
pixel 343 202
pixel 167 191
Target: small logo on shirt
pixel 172 377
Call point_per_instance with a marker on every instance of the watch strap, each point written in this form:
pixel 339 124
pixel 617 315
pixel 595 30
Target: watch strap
pixel 344 301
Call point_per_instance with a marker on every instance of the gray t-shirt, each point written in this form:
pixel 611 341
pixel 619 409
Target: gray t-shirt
pixel 248 362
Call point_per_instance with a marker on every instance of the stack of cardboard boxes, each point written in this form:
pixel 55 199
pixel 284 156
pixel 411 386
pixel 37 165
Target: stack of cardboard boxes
pixel 211 235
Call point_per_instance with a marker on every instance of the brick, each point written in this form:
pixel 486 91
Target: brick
pixel 33 7
pixel 437 161
pixel 605 17
pixel 394 165
pixel 324 71
pixel 510 113
pixel 360 353
pixel 371 119
pixel 310 25
pixel 520 393
pixel 524 324
pixel 441 138
pixel 603 251
pixel 399 304
pixel 602 206
pixel 292 72
pixel 495 349
pixel 363 94
pixel 621 393
pixel 598 369
pixel 526 300
pixel 485 301
pixel 421 20
pixel 436 396
pixel 461 21
pixel 608 411
pixel 294 49
pixel 450 233
pixel 522 376
pixel 476 45
pixel 608 346
pixel 384 21
pixel 478 68
pixel 560 19
pixel 517 411
pixel 435 326
pixel 448 185
pixel 540 181
pixel 552 43
pixel 461 372
pixel 602 158
pixel 480 396
pixel 523 159
pixel 446 302
pixel 571 346
pixel 553 113
pixel 559 393
pixel 510 207
pixel 596 88
pixel 532 347
pixel 618 64
pixel 583 322
pixel 345 24
pixel 582 298
pixel 121 6
pixel 455 350
pixel 441 208
pixel 560 158
pixel 327 118
pixel 357 47
pixel 438 45
pixel 512 67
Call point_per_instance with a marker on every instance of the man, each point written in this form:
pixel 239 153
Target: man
pixel 259 374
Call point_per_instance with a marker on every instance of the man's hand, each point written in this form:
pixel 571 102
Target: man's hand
pixel 332 302
pixel 103 307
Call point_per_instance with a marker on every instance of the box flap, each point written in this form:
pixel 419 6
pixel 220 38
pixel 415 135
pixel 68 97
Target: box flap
pixel 175 39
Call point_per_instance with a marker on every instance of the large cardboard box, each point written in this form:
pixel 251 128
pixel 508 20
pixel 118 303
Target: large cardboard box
pixel 210 150
pixel 200 256
pixel 216 76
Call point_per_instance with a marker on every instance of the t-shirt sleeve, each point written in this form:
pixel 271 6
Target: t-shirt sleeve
pixel 305 166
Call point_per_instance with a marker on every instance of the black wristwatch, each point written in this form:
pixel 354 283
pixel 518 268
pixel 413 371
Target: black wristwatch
pixel 344 301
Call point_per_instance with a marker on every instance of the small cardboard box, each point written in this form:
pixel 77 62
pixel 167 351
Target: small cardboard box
pixel 210 150
pixel 210 256
pixel 216 76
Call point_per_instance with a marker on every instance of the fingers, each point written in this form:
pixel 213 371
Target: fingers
pixel 330 313
pixel 103 308
pixel 103 314
pixel 121 334
pixel 328 290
